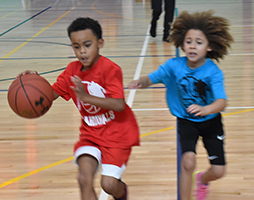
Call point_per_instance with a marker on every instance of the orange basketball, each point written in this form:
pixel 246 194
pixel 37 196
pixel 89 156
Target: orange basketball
pixel 30 96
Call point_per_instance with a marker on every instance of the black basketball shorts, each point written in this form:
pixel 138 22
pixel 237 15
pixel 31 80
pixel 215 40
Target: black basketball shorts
pixel 212 134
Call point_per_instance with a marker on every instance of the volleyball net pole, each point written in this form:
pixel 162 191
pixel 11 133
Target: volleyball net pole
pixel 179 149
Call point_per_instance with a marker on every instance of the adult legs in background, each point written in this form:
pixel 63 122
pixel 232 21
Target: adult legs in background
pixel 156 6
pixel 169 7
pixel 168 18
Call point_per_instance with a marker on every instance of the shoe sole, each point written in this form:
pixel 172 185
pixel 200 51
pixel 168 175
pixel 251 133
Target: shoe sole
pixel 194 177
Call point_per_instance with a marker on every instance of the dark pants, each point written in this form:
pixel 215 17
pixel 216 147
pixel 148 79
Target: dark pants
pixel 169 13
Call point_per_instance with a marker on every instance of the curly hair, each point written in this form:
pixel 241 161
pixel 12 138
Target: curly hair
pixel 83 23
pixel 216 30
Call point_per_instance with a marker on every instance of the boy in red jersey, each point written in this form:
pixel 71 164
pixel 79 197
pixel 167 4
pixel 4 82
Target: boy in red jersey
pixel 108 128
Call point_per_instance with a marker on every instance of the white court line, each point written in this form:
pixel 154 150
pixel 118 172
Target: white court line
pixel 242 26
pixel 139 67
pixel 230 54
pixel 241 54
pixel 103 194
pixel 149 109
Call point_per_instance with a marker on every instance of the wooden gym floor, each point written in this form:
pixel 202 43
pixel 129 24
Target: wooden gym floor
pixel 36 155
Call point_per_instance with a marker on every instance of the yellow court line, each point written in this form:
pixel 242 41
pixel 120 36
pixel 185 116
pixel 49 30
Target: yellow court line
pixel 61 162
pixel 238 112
pixel 13 5
pixel 71 158
pixel 10 13
pixel 13 51
pixel 34 172
pixel 158 131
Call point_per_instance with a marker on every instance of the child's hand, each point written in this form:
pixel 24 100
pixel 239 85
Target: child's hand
pixel 135 84
pixel 26 72
pixel 79 89
pixel 197 110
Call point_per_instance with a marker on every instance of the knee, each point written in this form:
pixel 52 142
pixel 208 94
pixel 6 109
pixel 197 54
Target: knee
pixel 84 180
pixel 108 184
pixel 218 171
pixel 188 162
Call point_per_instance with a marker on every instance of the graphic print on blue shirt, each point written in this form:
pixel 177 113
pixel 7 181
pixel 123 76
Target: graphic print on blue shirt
pixel 186 86
pixel 193 91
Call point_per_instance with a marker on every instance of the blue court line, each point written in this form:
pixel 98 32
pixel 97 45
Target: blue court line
pixel 25 38
pixel 48 72
pixel 126 88
pixel 24 21
pixel 72 57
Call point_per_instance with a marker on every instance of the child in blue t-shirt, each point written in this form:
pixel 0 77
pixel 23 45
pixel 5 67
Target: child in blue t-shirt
pixel 196 93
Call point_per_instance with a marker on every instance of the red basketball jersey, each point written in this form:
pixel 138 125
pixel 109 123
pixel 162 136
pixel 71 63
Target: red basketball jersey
pixel 104 127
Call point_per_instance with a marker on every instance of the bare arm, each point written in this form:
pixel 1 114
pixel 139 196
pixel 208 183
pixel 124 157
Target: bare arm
pixel 215 107
pixel 143 82
pixel 107 103
pixel 55 95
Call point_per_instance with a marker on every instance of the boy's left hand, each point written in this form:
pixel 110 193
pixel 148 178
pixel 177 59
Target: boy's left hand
pixel 197 110
pixel 79 89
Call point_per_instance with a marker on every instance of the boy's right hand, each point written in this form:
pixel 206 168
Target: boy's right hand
pixel 26 72
pixel 135 84
pixel 143 82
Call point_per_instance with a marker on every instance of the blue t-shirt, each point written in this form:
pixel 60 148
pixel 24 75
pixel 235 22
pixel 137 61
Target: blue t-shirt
pixel 186 86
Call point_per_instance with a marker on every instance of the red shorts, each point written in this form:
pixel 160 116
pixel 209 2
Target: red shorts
pixel 113 160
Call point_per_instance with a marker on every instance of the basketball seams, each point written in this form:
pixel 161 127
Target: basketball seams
pixel 16 103
pixel 14 84
pixel 27 96
pixel 30 96
pixel 42 80
pixel 36 88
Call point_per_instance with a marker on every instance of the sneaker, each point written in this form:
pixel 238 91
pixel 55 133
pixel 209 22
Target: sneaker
pixel 165 38
pixel 124 197
pixel 153 29
pixel 201 189
pixel 153 26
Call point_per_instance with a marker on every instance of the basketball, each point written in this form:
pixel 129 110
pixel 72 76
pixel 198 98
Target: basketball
pixel 30 96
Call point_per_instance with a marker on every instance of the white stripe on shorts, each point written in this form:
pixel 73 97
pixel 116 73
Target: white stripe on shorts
pixel 113 170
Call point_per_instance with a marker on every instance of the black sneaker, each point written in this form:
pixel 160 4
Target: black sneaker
pixel 124 197
pixel 166 38
pixel 153 28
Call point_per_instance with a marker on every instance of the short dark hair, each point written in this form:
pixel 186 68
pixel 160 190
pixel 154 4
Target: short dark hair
pixel 83 23
pixel 216 30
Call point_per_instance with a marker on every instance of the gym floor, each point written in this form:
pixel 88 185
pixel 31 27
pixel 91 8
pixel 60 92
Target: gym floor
pixel 36 160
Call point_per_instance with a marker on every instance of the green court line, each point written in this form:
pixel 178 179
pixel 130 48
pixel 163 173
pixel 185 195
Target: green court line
pixel 34 36
pixel 12 12
pixel 25 21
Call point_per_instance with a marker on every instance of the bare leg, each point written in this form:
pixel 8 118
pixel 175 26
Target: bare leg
pixel 187 168
pixel 213 173
pixel 87 169
pixel 113 186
